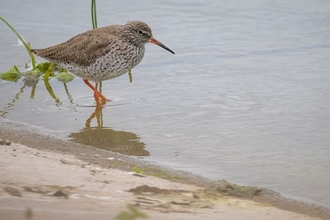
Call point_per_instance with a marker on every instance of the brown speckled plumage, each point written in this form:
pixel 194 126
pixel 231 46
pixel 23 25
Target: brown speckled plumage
pixel 102 53
pixel 82 49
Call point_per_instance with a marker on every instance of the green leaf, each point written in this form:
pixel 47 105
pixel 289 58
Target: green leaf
pixel 43 67
pixel 12 75
pixel 35 72
pixel 64 77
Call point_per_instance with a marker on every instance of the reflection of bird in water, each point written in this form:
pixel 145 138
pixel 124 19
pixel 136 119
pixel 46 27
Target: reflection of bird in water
pixel 102 53
pixel 106 138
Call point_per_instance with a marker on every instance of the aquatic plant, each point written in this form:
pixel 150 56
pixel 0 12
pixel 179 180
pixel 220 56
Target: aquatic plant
pixel 47 68
pixel 13 74
pixel 93 13
pixel 26 45
pixel 31 76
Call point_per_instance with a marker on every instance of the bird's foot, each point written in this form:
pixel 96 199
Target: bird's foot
pixel 100 99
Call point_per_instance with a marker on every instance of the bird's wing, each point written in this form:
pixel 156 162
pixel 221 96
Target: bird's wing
pixel 82 49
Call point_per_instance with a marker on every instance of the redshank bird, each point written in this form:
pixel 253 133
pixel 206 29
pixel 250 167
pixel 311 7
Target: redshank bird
pixel 102 53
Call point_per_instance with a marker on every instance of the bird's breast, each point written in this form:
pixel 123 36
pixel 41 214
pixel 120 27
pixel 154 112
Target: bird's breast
pixel 112 64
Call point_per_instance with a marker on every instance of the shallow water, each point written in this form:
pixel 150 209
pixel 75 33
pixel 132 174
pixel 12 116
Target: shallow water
pixel 246 97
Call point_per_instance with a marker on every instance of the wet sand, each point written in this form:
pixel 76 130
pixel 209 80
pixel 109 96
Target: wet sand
pixel 43 178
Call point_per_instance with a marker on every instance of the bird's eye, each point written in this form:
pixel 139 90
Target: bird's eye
pixel 140 32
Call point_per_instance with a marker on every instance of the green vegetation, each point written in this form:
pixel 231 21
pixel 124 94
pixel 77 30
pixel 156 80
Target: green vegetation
pixel 33 71
pixel 31 77
pixel 156 173
pixel 93 13
pixel 132 214
pixel 14 74
pixel 137 169
pixel 230 189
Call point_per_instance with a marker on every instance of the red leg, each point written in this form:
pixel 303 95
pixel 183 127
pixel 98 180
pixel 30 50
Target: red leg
pixel 97 94
pixel 89 85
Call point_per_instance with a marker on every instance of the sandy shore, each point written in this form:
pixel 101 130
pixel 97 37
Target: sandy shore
pixel 46 178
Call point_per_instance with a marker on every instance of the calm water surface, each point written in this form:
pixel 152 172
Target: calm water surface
pixel 246 97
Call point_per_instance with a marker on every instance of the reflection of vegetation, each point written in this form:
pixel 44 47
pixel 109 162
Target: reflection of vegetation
pixel 51 92
pixel 106 138
pixel 68 94
pixel 11 104
pixel 31 80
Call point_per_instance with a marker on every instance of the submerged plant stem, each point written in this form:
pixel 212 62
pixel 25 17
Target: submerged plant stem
pixel 26 45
